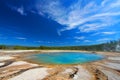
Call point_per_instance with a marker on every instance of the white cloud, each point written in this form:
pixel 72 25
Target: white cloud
pixel 103 40
pixel 87 41
pixel 20 9
pixel 79 38
pixel 87 18
pixel 21 38
pixel 104 33
pixel 49 42
pixel 95 34
pixel 108 33
pixel 38 41
pixel 91 17
pixel 59 33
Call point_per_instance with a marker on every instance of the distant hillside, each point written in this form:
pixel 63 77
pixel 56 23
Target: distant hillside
pixel 109 46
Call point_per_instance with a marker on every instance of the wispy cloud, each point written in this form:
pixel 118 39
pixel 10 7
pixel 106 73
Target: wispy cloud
pixel 109 33
pixel 21 38
pixel 39 41
pixel 19 10
pixel 47 42
pixel 91 17
pixel 103 40
pixel 87 41
pixel 87 18
pixel 80 37
pixel 104 33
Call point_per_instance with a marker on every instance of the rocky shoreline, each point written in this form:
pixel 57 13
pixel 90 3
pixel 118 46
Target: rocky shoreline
pixel 13 67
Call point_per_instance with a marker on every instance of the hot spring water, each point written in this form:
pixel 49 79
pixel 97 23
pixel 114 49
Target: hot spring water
pixel 65 58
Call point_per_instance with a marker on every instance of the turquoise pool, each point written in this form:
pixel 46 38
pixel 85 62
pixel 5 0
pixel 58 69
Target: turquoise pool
pixel 65 58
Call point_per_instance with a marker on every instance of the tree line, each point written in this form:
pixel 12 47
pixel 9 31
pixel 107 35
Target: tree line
pixel 109 46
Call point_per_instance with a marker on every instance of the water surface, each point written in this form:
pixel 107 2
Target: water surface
pixel 65 58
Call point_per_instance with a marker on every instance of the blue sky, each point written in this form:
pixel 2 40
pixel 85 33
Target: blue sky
pixel 59 22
